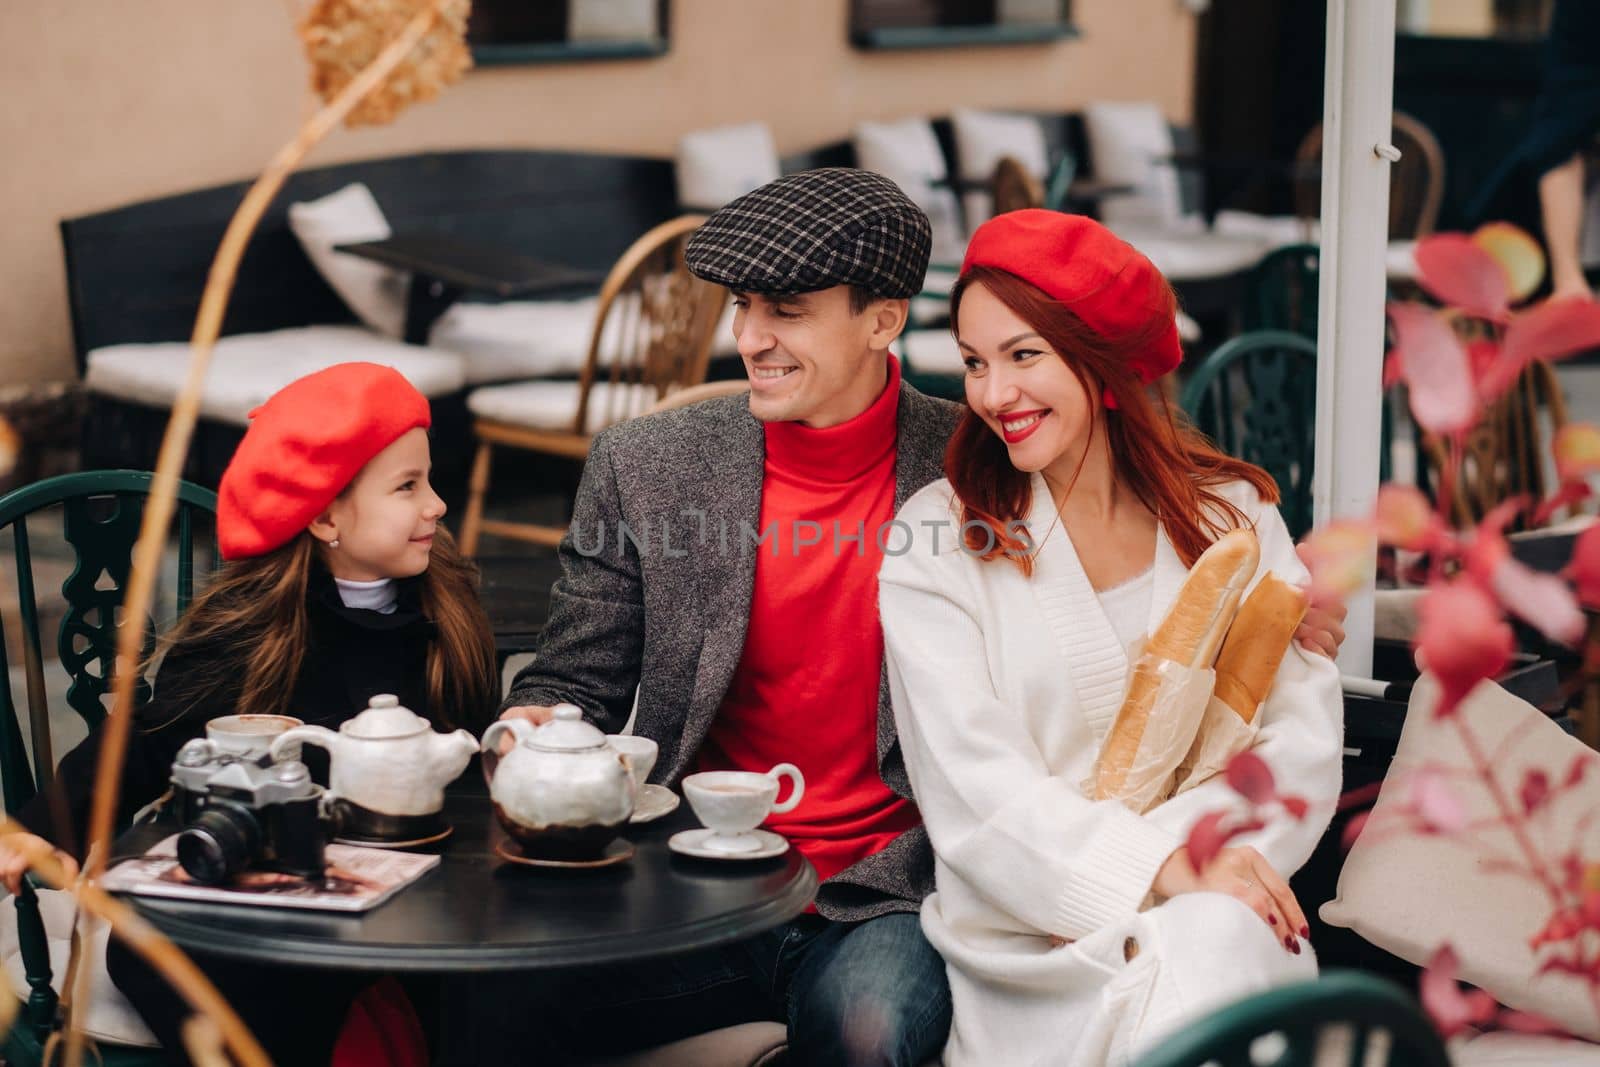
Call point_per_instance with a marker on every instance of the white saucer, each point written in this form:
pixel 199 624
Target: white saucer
pixel 695 843
pixel 654 801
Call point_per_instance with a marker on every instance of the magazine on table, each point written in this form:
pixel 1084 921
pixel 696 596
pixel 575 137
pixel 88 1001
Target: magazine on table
pixel 356 879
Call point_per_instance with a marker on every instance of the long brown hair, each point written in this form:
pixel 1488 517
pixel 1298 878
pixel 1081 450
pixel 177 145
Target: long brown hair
pixel 254 614
pixel 1169 466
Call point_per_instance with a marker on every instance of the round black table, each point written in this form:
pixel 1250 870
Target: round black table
pixel 477 913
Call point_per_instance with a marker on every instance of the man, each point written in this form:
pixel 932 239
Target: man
pixel 723 559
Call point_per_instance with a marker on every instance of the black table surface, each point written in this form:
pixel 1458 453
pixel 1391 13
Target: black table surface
pixel 476 913
pixel 515 593
pixel 471 266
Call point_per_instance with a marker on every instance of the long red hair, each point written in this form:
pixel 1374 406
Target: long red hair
pixel 1169 466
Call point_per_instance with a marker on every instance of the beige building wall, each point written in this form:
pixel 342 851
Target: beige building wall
pixel 107 102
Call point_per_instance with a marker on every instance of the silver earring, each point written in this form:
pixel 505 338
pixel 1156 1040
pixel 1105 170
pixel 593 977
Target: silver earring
pixel 334 543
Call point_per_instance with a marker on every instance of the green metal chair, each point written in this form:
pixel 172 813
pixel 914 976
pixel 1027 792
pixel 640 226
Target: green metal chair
pixel 101 512
pixel 1281 291
pixel 1284 1027
pixel 1256 397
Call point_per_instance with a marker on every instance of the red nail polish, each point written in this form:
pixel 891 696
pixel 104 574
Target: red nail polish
pixel 1295 945
pixel 1305 931
pixel 1273 919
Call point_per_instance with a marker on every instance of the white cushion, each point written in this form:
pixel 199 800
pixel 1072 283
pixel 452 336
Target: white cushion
pixel 1507 1049
pixel 249 367
pixel 983 138
pixel 533 338
pixel 1129 142
pixel 1184 257
pixel 1275 230
pixel 376 294
pixel 931 352
pixel 908 153
pixel 716 165
pixel 110 1018
pixel 613 20
pixel 553 405
pixel 1408 893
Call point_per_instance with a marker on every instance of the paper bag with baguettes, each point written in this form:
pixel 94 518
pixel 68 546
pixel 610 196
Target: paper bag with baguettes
pixel 1171 681
pixel 1246 666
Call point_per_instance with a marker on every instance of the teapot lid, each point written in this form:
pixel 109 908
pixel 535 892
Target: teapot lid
pixel 567 732
pixel 384 718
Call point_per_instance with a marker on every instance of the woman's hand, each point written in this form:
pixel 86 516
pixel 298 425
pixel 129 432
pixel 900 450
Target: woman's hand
pixel 14 858
pixel 1244 874
pixel 1322 629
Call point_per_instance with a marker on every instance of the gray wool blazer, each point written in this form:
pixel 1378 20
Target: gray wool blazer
pixel 657 573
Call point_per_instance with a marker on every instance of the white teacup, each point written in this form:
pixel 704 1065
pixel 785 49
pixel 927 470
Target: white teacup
pixel 251 736
pixel 733 803
pixel 641 753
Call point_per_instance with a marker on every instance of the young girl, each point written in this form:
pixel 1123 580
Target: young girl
pixel 339 584
pixel 1074 931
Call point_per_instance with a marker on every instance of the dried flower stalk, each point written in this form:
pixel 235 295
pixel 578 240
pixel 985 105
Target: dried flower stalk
pixel 428 70
pixel 343 37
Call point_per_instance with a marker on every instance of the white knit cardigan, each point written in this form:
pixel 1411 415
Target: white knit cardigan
pixel 1004 687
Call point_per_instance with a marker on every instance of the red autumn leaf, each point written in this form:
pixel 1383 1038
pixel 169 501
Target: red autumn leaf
pixel 1571 492
pixel 1535 790
pixel 1295 806
pixel 1462 639
pixel 1554 329
pixel 1394 371
pixel 1562 926
pixel 1444 399
pixel 1488 548
pixel 1352 830
pixel 1206 839
pixel 1527 1022
pixel 1250 777
pixel 1452 1009
pixel 1492 371
pixel 1405 518
pixel 1455 269
pixel 1583 570
pixel 1590 907
pixel 1434 802
pixel 1543 601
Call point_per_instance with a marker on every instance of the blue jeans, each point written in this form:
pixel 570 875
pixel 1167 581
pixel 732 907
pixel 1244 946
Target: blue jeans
pixel 868 993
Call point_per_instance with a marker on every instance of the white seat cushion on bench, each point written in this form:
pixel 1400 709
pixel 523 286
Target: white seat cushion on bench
pixel 553 405
pixel 1190 257
pixel 110 1018
pixel 532 338
pixel 249 367
pixel 1506 1049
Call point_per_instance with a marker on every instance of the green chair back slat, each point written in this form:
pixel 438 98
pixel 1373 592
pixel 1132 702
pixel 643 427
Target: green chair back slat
pixel 1281 291
pixel 1300 1014
pixel 1256 397
pixel 102 541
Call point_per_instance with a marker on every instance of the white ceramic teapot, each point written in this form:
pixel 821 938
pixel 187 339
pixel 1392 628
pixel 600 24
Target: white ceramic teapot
pixel 562 792
pixel 388 759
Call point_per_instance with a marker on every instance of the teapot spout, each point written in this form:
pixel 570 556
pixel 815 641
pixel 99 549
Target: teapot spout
pixel 455 751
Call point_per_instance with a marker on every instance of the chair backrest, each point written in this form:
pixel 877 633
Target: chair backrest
pixel 1013 187
pixel 100 514
pixel 1504 454
pixel 653 329
pixel 1256 397
pixel 1281 293
pixel 682 398
pixel 1366 1019
pixel 1416 180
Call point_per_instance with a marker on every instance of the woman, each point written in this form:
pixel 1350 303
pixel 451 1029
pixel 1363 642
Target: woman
pixel 1076 932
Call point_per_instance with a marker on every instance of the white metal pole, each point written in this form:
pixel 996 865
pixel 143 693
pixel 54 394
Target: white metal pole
pixel 1358 104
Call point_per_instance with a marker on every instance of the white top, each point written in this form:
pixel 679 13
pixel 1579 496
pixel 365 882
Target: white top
pixel 376 595
pixel 1127 606
pixel 1004 687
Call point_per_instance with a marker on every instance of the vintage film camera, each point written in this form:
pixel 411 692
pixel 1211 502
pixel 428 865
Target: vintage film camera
pixel 239 813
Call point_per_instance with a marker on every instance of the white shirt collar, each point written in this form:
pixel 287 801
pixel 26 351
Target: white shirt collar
pixel 376 596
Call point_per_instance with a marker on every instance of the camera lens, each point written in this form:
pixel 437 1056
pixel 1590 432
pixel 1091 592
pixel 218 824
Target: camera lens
pixel 218 844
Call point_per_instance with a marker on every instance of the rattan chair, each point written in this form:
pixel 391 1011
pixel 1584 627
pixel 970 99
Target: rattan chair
pixel 1416 182
pixel 1014 187
pixel 652 336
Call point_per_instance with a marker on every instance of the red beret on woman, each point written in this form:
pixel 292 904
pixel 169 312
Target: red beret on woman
pixel 304 445
pixel 1102 279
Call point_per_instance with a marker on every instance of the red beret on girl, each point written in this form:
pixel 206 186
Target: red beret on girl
pixel 1095 274
pixel 304 445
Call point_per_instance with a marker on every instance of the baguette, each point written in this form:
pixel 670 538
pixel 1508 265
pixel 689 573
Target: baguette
pixel 1256 643
pixel 1190 636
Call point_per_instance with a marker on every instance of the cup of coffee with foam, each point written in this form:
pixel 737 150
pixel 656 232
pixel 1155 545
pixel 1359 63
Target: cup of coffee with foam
pixel 733 803
pixel 250 736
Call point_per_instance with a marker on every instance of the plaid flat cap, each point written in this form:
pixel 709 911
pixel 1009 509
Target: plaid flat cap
pixel 814 230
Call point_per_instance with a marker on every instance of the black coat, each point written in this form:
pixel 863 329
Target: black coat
pixel 353 654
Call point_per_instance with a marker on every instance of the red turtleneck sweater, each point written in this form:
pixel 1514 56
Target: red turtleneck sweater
pixel 806 689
